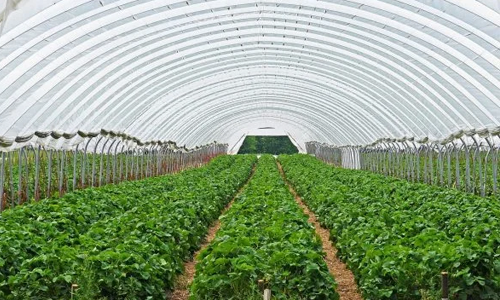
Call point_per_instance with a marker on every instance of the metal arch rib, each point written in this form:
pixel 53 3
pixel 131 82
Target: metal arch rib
pixel 242 115
pixel 145 117
pixel 360 131
pixel 239 122
pixel 437 107
pixel 129 108
pixel 228 80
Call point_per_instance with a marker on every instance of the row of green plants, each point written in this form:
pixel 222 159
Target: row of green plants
pixel 267 144
pixel 60 172
pixel 398 236
pixel 125 241
pixel 264 236
pixel 483 169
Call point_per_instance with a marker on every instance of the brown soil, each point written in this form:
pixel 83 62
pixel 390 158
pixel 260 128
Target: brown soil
pixel 347 287
pixel 183 282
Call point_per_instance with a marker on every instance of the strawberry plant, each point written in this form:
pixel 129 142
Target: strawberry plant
pixel 264 236
pixel 397 237
pixel 116 242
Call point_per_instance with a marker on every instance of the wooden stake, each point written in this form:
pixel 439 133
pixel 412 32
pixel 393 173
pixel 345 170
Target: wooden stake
pixel 74 287
pixel 267 294
pixel 444 284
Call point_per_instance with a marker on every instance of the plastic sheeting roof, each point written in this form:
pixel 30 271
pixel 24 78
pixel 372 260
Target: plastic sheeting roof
pixel 341 72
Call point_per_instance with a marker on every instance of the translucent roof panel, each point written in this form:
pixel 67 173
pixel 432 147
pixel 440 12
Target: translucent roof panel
pixel 335 71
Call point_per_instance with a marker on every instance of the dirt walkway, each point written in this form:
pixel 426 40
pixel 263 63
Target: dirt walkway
pixel 347 287
pixel 181 291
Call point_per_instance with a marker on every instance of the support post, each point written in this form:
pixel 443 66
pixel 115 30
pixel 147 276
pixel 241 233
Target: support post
pixel 37 173
pixel 2 173
pixel 444 286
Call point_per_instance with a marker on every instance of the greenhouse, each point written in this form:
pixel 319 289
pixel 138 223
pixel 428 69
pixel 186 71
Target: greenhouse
pixel 148 149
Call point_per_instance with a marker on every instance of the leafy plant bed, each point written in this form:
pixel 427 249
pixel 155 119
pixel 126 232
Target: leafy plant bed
pixel 264 236
pixel 126 241
pixel 397 236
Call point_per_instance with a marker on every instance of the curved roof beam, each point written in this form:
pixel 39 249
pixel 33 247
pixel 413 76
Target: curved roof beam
pixel 205 68
pixel 289 103
pixel 468 93
pixel 154 76
pixel 483 109
pixel 239 127
pixel 231 83
pixel 242 119
pixel 240 123
pixel 92 107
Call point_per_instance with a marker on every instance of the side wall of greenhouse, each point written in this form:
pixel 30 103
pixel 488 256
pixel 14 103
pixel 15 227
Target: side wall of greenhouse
pixel 50 164
pixel 466 160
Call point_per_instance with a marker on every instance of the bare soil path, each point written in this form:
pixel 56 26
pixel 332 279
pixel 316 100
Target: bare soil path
pixel 181 291
pixel 347 287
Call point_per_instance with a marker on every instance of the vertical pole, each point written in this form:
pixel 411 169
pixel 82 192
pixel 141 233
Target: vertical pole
pixel 84 162
pixel 478 168
pixel 10 156
pixel 101 161
pixel 115 163
pixel 426 168
pixel 267 294
pixel 147 161
pixel 26 154
pixel 418 163
pixel 444 286
pixel 482 179
pixel 119 159
pixel 75 160
pixel 140 156
pixel 49 174
pixel 134 163
pixel 448 161
pixel 474 188
pixel 399 161
pixel 108 163
pixel 385 160
pixel 37 173
pixel 167 161
pixel 457 167
pixel 494 161
pixel 467 166
pixel 389 160
pixel 2 174
pixel 412 151
pixel 489 153
pixel 126 161
pixel 485 175
pixel 58 167
pixel 159 154
pixel 172 161
pixel 441 165
pixel 143 154
pixel 93 160
pixel 431 164
pixel 61 172
pixel 20 174
pixel 122 154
